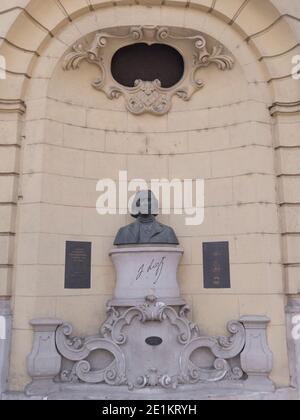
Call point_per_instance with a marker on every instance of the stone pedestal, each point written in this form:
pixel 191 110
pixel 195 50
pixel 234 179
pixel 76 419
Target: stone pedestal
pixel 44 362
pixel 5 334
pixel 146 271
pixel 293 336
pixel 257 358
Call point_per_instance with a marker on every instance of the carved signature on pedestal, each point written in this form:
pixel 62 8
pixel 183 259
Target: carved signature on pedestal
pixel 156 267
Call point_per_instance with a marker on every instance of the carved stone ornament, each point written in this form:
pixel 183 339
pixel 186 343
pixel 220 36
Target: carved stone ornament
pixel 149 345
pixel 121 328
pixel 148 96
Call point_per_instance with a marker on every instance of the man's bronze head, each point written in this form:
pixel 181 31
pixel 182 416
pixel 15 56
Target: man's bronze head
pixel 144 204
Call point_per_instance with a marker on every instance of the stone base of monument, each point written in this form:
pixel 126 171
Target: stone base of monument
pixel 199 392
pixel 146 271
pixel 148 346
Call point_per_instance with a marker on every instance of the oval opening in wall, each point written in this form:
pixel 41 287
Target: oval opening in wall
pixel 147 63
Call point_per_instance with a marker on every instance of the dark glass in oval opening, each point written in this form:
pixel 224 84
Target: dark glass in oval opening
pixel 153 341
pixel 147 63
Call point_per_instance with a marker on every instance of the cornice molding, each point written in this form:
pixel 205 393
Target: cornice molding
pixel 282 108
pixel 12 106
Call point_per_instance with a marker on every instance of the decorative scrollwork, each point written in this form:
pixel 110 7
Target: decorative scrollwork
pixel 69 376
pixel 148 96
pixel 231 346
pixel 204 58
pixel 136 33
pixel 111 375
pixel 194 328
pixel 234 374
pixel 154 378
pixel 223 348
pixel 112 316
pixel 193 374
pixel 152 310
pixel 116 331
pixel 73 59
pixel 72 347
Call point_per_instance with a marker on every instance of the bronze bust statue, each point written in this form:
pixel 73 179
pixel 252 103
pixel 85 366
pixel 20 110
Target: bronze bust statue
pixel 145 230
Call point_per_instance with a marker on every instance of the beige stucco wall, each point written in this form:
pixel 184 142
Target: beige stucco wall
pixel 72 136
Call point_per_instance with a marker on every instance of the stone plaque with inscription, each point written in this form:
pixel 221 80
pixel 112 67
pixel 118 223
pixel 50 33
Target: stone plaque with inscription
pixel 78 265
pixel 216 267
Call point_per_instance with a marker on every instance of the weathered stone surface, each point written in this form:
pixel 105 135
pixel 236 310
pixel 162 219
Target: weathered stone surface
pixel 217 392
pixel 44 362
pixel 256 358
pixel 146 270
